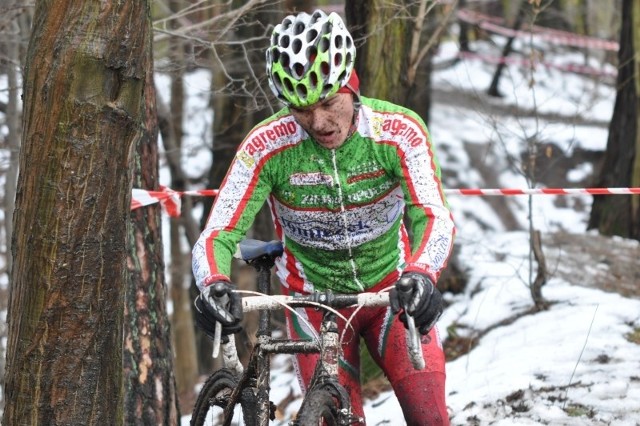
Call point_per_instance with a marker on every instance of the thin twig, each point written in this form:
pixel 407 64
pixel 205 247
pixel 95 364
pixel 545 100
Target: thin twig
pixel 579 358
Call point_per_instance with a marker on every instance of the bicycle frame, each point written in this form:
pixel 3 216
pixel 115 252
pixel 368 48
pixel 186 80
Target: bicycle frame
pixel 258 372
pixel 259 367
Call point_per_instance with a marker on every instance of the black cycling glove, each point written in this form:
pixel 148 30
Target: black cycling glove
pixel 219 303
pixel 417 296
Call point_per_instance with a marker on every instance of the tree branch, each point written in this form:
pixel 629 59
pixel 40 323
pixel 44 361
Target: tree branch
pixel 416 58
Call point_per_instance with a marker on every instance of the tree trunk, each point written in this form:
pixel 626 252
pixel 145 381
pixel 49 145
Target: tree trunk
pixel 418 93
pixel 10 68
pixel 463 37
pixel 296 6
pixel 553 14
pixel 236 113
pixel 620 214
pixel 380 30
pixel 181 320
pixel 183 327
pixel 13 116
pixel 148 354
pixel 506 51
pixel 84 84
pixel 391 62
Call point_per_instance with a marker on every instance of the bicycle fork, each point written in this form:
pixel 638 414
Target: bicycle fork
pixel 326 374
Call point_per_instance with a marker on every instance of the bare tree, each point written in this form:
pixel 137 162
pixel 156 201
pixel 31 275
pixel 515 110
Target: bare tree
pixel 395 43
pixel 230 41
pixel 493 89
pixel 14 35
pixel 148 355
pixel 620 214
pixel 181 320
pixel 84 87
pixel 382 60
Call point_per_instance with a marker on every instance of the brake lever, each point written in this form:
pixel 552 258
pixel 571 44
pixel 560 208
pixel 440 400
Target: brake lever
pixel 219 292
pixel 414 345
pixel 405 287
pixel 217 339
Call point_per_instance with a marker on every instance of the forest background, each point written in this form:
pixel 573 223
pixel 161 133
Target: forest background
pixel 82 273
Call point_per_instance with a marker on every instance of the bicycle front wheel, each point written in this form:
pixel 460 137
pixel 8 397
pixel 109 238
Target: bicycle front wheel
pixel 214 397
pixel 320 407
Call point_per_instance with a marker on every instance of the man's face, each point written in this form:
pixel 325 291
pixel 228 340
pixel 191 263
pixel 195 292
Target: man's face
pixel 328 121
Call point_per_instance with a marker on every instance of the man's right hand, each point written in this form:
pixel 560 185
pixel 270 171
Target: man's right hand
pixel 219 303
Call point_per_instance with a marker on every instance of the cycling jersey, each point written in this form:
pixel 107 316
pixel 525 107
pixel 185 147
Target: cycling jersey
pixel 339 212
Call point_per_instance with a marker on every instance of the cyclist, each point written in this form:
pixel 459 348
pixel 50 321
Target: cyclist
pixel 339 172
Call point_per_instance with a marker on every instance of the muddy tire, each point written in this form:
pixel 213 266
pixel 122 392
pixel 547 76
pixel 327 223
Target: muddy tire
pixel 214 397
pixel 320 407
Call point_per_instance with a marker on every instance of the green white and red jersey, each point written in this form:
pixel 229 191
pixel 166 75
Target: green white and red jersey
pixel 338 211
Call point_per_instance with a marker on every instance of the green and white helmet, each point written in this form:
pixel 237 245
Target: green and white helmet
pixel 310 58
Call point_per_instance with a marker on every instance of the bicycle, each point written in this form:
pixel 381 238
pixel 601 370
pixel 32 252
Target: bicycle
pixel 326 399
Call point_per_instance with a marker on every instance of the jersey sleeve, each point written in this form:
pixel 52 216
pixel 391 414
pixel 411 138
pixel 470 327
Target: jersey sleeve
pixel 242 194
pixel 431 223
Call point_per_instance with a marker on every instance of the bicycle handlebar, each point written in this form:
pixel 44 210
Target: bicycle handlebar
pixel 254 303
pixel 276 302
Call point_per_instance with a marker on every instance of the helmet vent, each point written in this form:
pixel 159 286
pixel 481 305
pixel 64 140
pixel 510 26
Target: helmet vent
pixel 296 46
pixel 349 42
pixel 301 90
pixel 337 59
pixel 323 46
pixel 325 68
pixel 326 28
pixel 311 36
pixel 298 70
pixel 277 82
pixel 285 60
pixel 299 28
pixel 286 24
pixel 313 79
pixel 338 42
pixel 284 41
pixel 316 17
pixel 288 85
pixel 311 53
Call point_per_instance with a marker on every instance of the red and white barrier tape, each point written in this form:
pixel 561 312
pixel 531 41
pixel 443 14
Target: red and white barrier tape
pixel 545 191
pixel 565 38
pixel 170 199
pixel 574 68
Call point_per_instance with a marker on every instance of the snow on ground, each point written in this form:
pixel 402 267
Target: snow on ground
pixel 573 364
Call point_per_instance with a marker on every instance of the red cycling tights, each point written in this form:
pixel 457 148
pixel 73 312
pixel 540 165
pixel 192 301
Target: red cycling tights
pixel 421 393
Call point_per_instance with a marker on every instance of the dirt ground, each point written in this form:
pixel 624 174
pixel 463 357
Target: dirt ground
pixel 608 263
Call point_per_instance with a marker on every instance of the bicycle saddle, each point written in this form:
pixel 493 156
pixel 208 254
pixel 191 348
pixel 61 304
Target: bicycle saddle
pixel 249 249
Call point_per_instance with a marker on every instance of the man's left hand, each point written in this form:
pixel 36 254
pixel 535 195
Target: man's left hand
pixel 416 294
